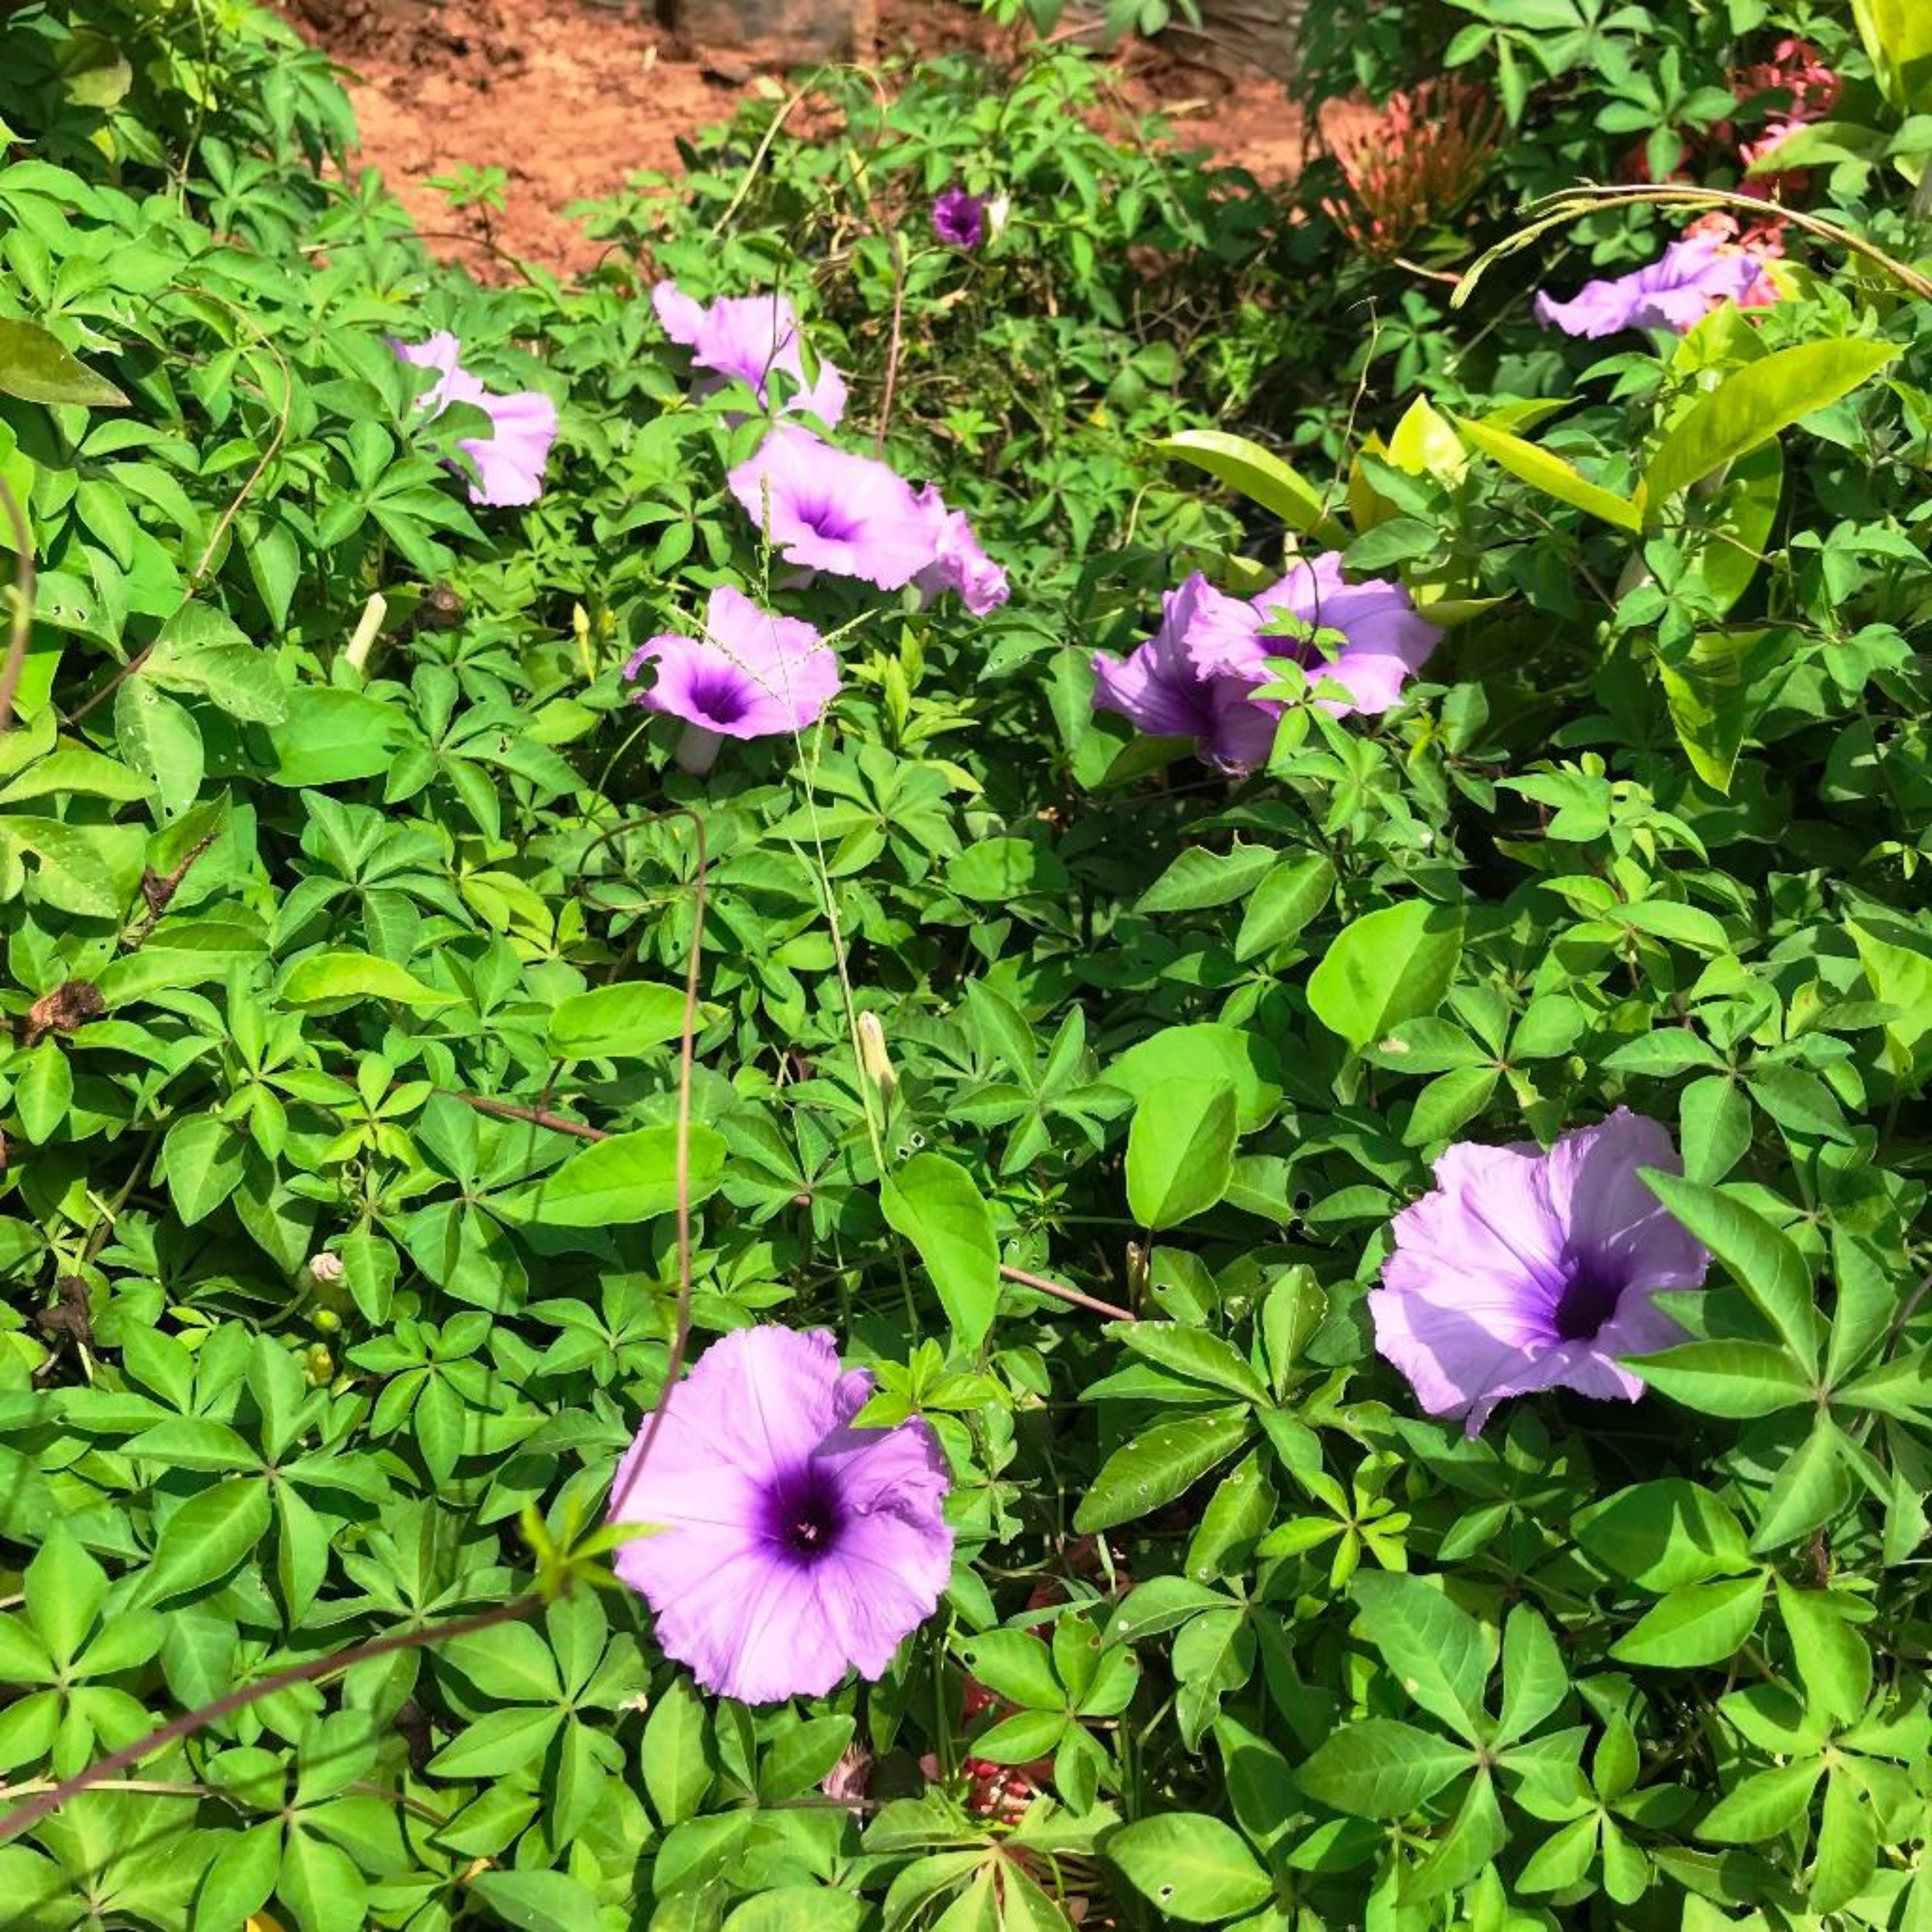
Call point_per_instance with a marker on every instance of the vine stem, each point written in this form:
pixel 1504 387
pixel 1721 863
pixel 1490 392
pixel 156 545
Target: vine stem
pixel 43 1803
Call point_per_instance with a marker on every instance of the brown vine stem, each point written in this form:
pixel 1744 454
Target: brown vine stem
pixel 1067 1294
pixel 537 1116
pixel 44 1804
pixel 23 601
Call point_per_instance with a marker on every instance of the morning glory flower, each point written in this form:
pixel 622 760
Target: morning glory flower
pixel 752 675
pixel 958 562
pixel 1525 1271
pixel 744 338
pixel 1676 292
pixel 1367 637
pixel 792 1547
pixel 827 509
pixel 1193 679
pixel 959 219
pixel 510 461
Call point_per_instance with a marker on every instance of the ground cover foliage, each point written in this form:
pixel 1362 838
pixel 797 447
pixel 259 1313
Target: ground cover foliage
pixel 303 1347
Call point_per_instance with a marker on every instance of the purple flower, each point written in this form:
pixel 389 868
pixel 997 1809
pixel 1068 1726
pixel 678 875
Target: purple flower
pixel 752 675
pixel 829 510
pixel 743 338
pixel 510 461
pixel 1195 678
pixel 1165 689
pixel 793 1546
pixel 958 562
pixel 959 219
pixel 1367 637
pixel 1526 1270
pixel 1689 280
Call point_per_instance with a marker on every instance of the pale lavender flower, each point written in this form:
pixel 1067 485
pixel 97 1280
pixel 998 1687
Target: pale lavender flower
pixel 1676 292
pixel 1526 1270
pixel 829 510
pixel 745 338
pixel 752 675
pixel 792 1547
pixel 959 219
pixel 1367 637
pixel 510 461
pixel 958 562
pixel 1193 679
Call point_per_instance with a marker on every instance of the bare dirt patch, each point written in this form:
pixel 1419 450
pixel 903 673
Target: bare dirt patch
pixel 570 97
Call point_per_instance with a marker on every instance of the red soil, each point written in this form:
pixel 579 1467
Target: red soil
pixel 570 98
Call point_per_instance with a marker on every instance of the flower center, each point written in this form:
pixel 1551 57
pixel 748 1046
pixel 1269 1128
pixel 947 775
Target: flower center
pixel 805 1517
pixel 721 697
pixel 1588 1298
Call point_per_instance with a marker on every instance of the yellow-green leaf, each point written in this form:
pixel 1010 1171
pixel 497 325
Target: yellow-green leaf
pixel 36 368
pixel 1261 477
pixel 1550 474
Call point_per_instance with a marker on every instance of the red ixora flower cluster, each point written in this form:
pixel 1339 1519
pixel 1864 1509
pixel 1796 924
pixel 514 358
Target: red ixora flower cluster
pixel 1413 160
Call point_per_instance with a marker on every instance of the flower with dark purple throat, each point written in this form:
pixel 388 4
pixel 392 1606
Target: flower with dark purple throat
pixel 752 675
pixel 747 339
pixel 1525 1271
pixel 827 509
pixel 792 1546
pixel 959 219
pixel 510 460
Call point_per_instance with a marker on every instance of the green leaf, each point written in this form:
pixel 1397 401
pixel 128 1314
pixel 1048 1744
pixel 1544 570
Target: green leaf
pixel 934 1203
pixel 1848 1844
pixel 1701 1623
pixel 1199 879
pixel 1753 406
pixel 614 1182
pixel 202 1159
pixel 1434 1649
pixel 1900 978
pixel 1708 692
pixel 1207 1051
pixel 1261 477
pixel 161 741
pixel 1897 35
pixel 1143 1475
pixel 1737 1379
pixel 1833 1660
pixel 1809 1491
pixel 201 651
pixel 1475 1835
pixel 43 1091
pixel 800 1756
pixel 537 1901
pixel 1380 1768
pixel 1283 904
pixel 1388 966
pixel 1762 1260
pixel 616 1022
pixel 816 1908
pixel 1181 1150
pixel 1764 1806
pixel 36 368
pixel 1193 1353
pixel 1535 1680
pixel 1532 464
pixel 1019 1667
pixel 1189 1867
pixel 674 1760
pixel 206 1539
pixel 995 870
pixel 330 736
pixel 1663 1534
pixel 329 982
pixel 65 1588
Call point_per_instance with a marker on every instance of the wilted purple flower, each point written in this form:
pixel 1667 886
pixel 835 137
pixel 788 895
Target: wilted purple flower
pixel 959 219
pixel 1368 638
pixel 510 461
pixel 793 1547
pixel 829 510
pixel 1193 677
pixel 958 562
pixel 752 675
pixel 1677 291
pixel 744 338
pixel 1526 1270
